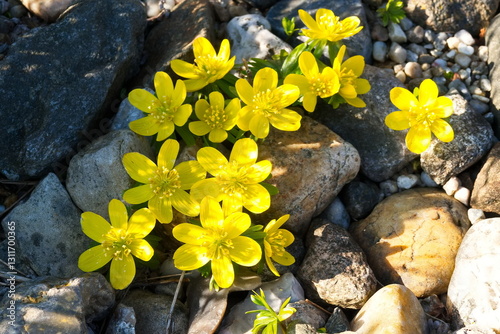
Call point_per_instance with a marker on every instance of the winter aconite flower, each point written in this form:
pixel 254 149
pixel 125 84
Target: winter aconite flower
pixel 328 26
pixel 350 83
pixel 423 115
pixel 266 104
pixel 165 110
pixel 218 240
pixel 235 182
pixel 215 118
pixel 118 242
pixel 314 83
pixel 163 185
pixel 209 66
pixel 275 242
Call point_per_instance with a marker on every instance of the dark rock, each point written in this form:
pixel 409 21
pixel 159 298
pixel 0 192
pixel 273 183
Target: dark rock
pixel 123 321
pixel 485 194
pixel 360 198
pixel 493 43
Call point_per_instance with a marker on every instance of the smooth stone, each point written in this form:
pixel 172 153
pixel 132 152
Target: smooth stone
pixel 413 70
pixel 474 329
pixel 416 34
pixel 485 193
pixel 360 198
pixel 452 185
pixel 453 42
pixel 465 37
pixel 306 314
pixel 397 53
pixel 407 181
pixel 412 238
pixel 336 213
pixel 465 49
pixel 463 60
pixel 379 51
pixel 393 309
pixel 475 215
pixel 396 34
pixel 48 10
pixel 462 195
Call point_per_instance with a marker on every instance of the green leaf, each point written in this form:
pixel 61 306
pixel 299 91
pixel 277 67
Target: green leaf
pixel 270 188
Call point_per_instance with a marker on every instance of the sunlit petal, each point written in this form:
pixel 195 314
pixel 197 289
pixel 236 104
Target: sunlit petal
pixel 442 130
pixel 403 99
pixel 168 154
pixel 265 79
pixel 141 249
pixel 190 257
pixel 398 120
pixel 245 152
pixel 418 139
pixel 245 251
pixel 146 126
pixel 143 100
pixel 191 234
pixel 211 215
pixel 138 166
pixel 141 223
pixel 94 226
pixel 122 272
pixel 118 215
pixel 162 209
pixel 257 198
pixel 223 271
pixel 163 85
pixel 211 160
pixel 94 258
pixel 138 194
pixel 183 203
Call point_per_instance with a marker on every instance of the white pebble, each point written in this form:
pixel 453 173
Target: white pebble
pixel 452 185
pixel 407 181
pixel 462 60
pixel 473 89
pixel 396 33
pixel 465 37
pixel 465 49
pixel 379 51
pixel 475 215
pixel 452 42
pixel 462 195
pixel 397 53
pixel 451 54
pixel 413 70
pixel 401 76
pixel 482 53
pixel 485 84
pixel 427 180
pixel 464 74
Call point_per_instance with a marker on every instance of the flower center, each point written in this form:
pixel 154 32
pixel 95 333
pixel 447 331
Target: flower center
pixel 117 242
pixel 218 246
pixel 277 241
pixel 165 182
pixel 163 112
pixel 267 102
pixel 421 115
pixel 215 117
pixel 209 67
pixel 347 77
pixel 321 87
pixel 233 178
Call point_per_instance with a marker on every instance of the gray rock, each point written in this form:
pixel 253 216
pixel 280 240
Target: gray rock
pixel 358 44
pixel 473 139
pixel 126 114
pixel 397 53
pixel 151 312
pixel 262 4
pixel 360 198
pixel 336 213
pixel 48 233
pixel 396 34
pixel 473 294
pixel 416 34
pixel 475 215
pixel 380 51
pixel 493 43
pixel 474 329
pixel 382 150
pixel 96 174
pixel 306 314
pixel 53 305
pixel 444 15
pixel 337 322
pixel 334 270
pixel 47 10
pixel 123 320
pixel 251 38
pixel 60 79
pixel 485 194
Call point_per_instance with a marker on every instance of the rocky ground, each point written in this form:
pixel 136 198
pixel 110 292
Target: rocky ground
pixel 386 240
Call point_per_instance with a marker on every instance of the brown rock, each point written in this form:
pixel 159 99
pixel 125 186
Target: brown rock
pixel 412 238
pixel 48 10
pixel 310 167
pixel 485 194
pixel 393 309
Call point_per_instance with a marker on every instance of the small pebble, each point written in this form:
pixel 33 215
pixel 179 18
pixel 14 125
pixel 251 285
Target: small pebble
pixel 473 89
pixel 413 70
pixel 407 181
pixel 475 215
pixel 465 37
pixel 426 59
pixel 464 74
pixel 440 62
pixel 452 185
pixel 18 11
pixel 482 53
pixel 401 76
pixel 380 51
pixel 485 84
pixel 418 49
pixel 406 23
pixel 379 33
pixel 489 117
pixel 411 56
pixel 451 54
pixel 397 53
pixel 425 66
pixel 427 180
pixel 465 49
pixel 462 195
pixel 481 98
pixel 452 42
pixel 396 33
pixel 388 187
pixel 439 80
pixel 4 6
pixel 429 36
pixel 462 60
pixel 440 41
pixel 479 107
pixel 416 34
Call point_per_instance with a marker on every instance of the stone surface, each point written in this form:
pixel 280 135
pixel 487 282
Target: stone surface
pixel 60 79
pixel 122 321
pixel 452 16
pixel 337 322
pixel 49 237
pixel 360 197
pixel 306 189
pixel 334 270
pixel 251 38
pixel 194 18
pixel 151 312
pixel 473 294
pixel 96 174
pixel 382 150
pixel 485 194
pixel 412 238
pixel 48 10
pixel 305 313
pixel 473 139
pixel 493 44
pixel 393 309
pixel 53 305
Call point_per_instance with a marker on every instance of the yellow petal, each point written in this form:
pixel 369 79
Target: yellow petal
pixel 190 257
pixel 356 64
pixel 299 81
pixel 211 160
pixel 122 272
pixel 307 19
pixel 398 120
pixel 223 271
pixel 179 93
pixel 289 94
pixel 259 126
pixel 216 100
pixel 143 100
pixel 428 92
pixel 191 234
pixel 200 109
pixel 235 224
pixel 270 264
pixel 232 110
pixel 348 91
pixel 163 85
pixel 162 209
pixel 244 119
pixel 193 85
pixel 203 47
pixel 138 166
pixel 274 224
pixel 141 223
pixel 211 215
pixel 356 102
pixel 232 203
pixel 217 135
pixel 141 249
pixel 287 237
pixel 94 226
pixel 244 90
pixel 442 130
pixel 443 107
pixel 308 64
pixel 266 78
pixel 118 215
pixel 168 154
pixel 182 114
pixel 309 102
pixel 362 86
pixel 418 138
pixel 287 120
pixel 403 99
pixel 94 258
pixel 207 187
pixel 337 63
pixel 259 172
pixel 285 259
pixel 256 198
pixel 245 251
pixel 183 69
pixel 183 203
pixel 138 194
pixel 245 152
pixel 166 129
pixel 145 126
pixel 199 128
pixel 224 50
pixel 190 172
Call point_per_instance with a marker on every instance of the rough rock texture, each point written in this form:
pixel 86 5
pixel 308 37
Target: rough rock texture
pixel 96 174
pixel 383 151
pixel 412 238
pixel 474 294
pixel 310 167
pixel 53 305
pixel 123 320
pixel 493 43
pixel 162 46
pixel 335 270
pixel 49 237
pixel 48 10
pixel 473 139
pixel 393 309
pixel 57 80
pixel 485 194
pixel 452 16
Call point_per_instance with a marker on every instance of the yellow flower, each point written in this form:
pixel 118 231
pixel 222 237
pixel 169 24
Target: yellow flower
pixel 118 241
pixel 215 119
pixel 422 115
pixel 218 240
pixel 235 182
pixel 163 185
pixel 275 242
pixel 165 110
pixel 328 26
pixel 350 83
pixel 266 103
pixel 209 67
pixel 313 83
